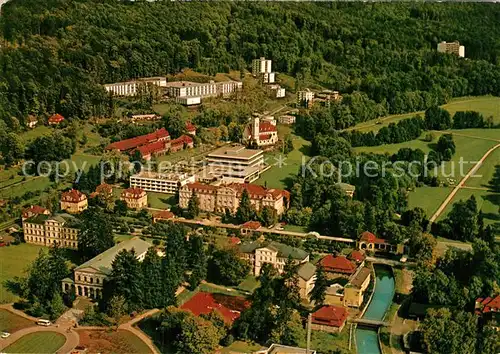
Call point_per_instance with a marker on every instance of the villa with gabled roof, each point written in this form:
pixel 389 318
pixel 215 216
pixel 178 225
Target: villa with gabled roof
pixel 89 277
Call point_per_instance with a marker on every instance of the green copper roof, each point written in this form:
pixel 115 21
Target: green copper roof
pixel 103 261
pixel 306 271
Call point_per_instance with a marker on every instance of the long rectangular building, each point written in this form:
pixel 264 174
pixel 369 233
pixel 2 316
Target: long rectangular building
pixel 236 164
pixel 168 183
pixel 219 198
pixel 130 88
pixel 179 89
pixel 46 230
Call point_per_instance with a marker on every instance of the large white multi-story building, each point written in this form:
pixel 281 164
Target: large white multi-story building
pixel 168 183
pixel 262 68
pixel 235 164
pixel 452 48
pixel 130 88
pixel 186 89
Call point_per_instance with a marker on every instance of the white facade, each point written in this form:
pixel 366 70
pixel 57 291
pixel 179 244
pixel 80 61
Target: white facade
pixel 188 101
pixel 452 48
pixel 268 78
pixel 234 164
pixel 305 97
pixel 129 88
pixel 261 65
pixel 202 90
pixel 287 119
pixel 168 183
pixel 280 92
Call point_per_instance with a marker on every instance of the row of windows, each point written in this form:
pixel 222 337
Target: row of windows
pixel 88 279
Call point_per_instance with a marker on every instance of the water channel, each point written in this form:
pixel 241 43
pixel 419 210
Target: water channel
pixel 367 339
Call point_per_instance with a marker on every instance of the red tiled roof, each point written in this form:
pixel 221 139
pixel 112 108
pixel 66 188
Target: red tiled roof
pixel 149 149
pixel 190 127
pixel 371 238
pixel 73 196
pixel 33 210
pixel 333 316
pixel 133 193
pixel 56 118
pixel 254 191
pixel 254 225
pixel 357 256
pixel 338 264
pixel 129 144
pixel 230 307
pixel 264 136
pixel 164 215
pixel 266 127
pixel 233 240
pixel 104 188
pixel 489 304
pixel 184 139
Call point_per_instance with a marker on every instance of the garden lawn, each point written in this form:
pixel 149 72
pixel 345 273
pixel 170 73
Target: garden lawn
pixel 249 284
pixel 40 342
pixel 11 323
pixel 323 342
pixel 279 176
pixel 13 261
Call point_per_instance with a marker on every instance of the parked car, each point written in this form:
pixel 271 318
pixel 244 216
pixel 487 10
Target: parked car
pixel 5 335
pixel 42 322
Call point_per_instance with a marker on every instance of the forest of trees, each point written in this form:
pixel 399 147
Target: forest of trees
pixel 56 53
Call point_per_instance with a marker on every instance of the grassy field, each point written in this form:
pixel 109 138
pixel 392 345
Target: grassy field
pixel 428 198
pixel 485 173
pixel 11 323
pixel 486 201
pixel 41 342
pixel 487 105
pixel 322 342
pixel 278 176
pixel 13 261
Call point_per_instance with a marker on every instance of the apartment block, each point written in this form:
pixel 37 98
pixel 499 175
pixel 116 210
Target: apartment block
pixel 189 89
pixel 168 183
pixel 74 201
pixel 305 98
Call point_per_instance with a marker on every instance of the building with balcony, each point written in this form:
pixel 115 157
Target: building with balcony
pixel 305 98
pixel 135 198
pixel 262 69
pixel 74 201
pixel 168 183
pixel 235 164
pixel 46 230
pixel 189 89
pixel 89 277
pixel 132 87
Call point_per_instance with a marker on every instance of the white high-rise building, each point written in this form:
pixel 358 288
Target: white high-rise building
pixel 262 68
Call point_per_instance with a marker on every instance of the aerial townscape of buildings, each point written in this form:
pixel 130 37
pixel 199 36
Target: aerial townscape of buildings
pixel 206 188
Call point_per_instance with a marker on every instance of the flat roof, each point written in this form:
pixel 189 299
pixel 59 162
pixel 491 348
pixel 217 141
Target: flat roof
pixel 192 83
pixel 170 176
pixel 235 152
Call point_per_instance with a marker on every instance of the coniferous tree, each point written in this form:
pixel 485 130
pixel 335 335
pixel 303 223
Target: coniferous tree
pixel 193 209
pixel 198 261
pixel 152 274
pixel 320 285
pixel 245 211
pixel 96 233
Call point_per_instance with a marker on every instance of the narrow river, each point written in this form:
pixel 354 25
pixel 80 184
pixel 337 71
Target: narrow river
pixel 367 339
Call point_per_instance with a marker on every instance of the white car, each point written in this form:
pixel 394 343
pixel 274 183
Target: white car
pixel 5 335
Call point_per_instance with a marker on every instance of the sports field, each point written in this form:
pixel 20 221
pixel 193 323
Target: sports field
pixel 40 342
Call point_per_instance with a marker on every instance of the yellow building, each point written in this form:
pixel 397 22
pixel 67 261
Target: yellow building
pixel 370 242
pixel 48 230
pixel 219 198
pixel 74 201
pixel 352 294
pixel 136 198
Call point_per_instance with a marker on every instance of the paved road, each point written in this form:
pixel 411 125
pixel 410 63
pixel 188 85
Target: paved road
pixel 72 338
pixel 461 184
pixel 129 326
